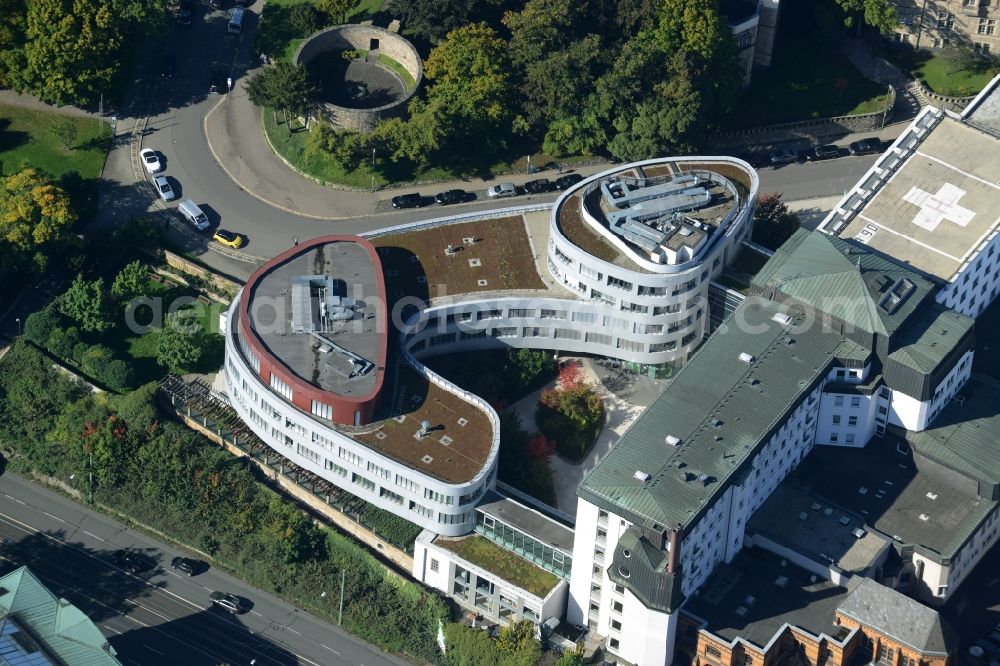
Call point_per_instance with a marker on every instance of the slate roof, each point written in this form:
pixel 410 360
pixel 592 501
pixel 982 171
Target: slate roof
pixel 63 631
pixel 721 408
pixel 841 279
pixel 963 437
pixel 644 572
pixel 899 617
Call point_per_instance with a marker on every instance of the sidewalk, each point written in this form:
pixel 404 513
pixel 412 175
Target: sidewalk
pixel 236 139
pixel 11 98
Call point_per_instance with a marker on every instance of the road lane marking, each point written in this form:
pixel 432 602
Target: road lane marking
pixel 252 611
pixel 294 632
pixel 117 633
pixel 94 535
pixel 53 517
pixel 152 649
pixel 330 649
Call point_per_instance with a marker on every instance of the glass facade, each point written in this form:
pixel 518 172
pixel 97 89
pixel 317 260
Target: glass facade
pixel 516 541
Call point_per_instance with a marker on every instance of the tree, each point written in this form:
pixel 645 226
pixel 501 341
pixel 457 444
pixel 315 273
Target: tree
pixel 70 52
pixel 179 344
pixel 469 90
pixel 33 210
pixel 335 9
pixel 131 282
pixel 64 130
pixel 62 341
pixel 879 14
pixel 306 19
pixel 86 303
pixel 570 375
pixel 532 364
pixel 574 658
pixel 517 644
pixel 40 325
pixel 773 224
pixel 431 20
pixel 283 87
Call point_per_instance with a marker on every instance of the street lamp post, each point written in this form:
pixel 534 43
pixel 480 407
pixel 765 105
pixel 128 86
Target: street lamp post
pixel 373 168
pixel 18 320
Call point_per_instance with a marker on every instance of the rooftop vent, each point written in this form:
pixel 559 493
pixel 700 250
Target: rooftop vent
pixel 858 532
pixel 641 476
pixel 626 553
pixel 931 495
pixel 741 611
pixel 781 581
pixel 827 511
pixel 623 571
pixel 803 515
pixel 816 506
pixel 844 520
pixel 782 318
pixel 862 490
pixel 924 517
pixel 746 358
pixel 671 440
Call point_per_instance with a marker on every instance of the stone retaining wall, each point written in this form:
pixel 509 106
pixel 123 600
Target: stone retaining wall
pixel 359 37
pixel 949 102
pixel 807 129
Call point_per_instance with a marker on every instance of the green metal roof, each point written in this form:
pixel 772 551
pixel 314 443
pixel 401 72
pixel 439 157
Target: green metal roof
pixel 62 631
pixel 963 437
pixel 926 342
pixel 843 280
pixel 721 408
pixel 644 572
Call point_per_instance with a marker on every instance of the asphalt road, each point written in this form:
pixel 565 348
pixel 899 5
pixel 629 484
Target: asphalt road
pixel 160 618
pixel 179 105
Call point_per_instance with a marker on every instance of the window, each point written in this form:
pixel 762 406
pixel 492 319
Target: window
pixel 836 419
pixel 982 49
pixel 838 401
pixel 407 484
pixel 987 26
pixel 434 564
pixel 350 456
pixel 907 660
pixel 391 496
pixel 281 387
pixel 852 421
pixel 849 438
pixel 855 401
pixel 616 625
pixel 617 283
pixel 330 465
pixel 834 438
pixel 713 651
pixel 379 471
pixel 884 654
pixel 946 21
pixel 585 317
pixel 617 607
pixel 438 497
pixel 321 410
pixel 567 334
pixel 535 332
pixel 587 271
pixel 619 589
pixel 367 484
pixel 422 510
pixel 505 332
pixel 747 659
pixel 613 643
pixel 307 453
pixel 553 314
pixel 599 339
pixel 520 312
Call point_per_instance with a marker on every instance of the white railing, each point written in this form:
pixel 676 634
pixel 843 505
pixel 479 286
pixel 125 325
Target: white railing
pixel 456 219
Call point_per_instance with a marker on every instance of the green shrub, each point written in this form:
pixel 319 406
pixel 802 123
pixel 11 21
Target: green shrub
pixel 394 529
pixel 572 418
pixel 62 342
pixel 40 325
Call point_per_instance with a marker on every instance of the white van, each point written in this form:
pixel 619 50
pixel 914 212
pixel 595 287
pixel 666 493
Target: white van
pixel 236 20
pixel 193 214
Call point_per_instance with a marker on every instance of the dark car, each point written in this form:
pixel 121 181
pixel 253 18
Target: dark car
pixel 167 66
pixel 827 152
pixel 216 4
pixel 185 565
pixel 411 200
pixel 784 156
pixel 218 82
pixel 185 12
pixel 568 181
pixel 244 3
pixel 865 146
pixel 132 561
pixel 450 197
pixel 228 602
pixel 537 186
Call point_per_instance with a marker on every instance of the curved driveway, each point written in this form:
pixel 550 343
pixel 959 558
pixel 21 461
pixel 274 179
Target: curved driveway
pixel 177 110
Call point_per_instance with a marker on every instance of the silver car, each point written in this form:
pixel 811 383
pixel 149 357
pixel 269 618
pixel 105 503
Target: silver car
pixel 163 187
pixel 228 602
pixel 502 190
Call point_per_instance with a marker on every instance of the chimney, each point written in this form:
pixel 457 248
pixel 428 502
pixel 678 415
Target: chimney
pixel 674 561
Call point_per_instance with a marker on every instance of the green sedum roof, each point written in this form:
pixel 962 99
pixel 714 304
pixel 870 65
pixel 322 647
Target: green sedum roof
pixel 721 408
pixel 59 628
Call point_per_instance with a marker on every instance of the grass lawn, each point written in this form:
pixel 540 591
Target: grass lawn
pixel 939 71
pixel 808 78
pixel 400 71
pixel 25 140
pixel 484 553
pixel 278 38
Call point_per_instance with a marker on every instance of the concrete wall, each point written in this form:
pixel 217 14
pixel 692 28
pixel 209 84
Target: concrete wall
pixel 359 37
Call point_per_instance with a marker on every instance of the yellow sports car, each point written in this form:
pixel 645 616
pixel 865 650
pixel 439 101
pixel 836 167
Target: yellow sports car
pixel 228 238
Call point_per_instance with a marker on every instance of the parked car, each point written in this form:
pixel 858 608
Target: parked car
pixel 186 565
pixel 150 160
pixel 185 12
pixel 865 146
pixel 568 181
pixel 451 197
pixel 501 190
pixel 538 186
pixel 167 66
pixel 244 3
pixel 784 156
pixel 228 238
pixel 228 602
pixel 132 561
pixel 827 152
pixel 412 200
pixel 218 81
pixel 163 187
pixel 216 4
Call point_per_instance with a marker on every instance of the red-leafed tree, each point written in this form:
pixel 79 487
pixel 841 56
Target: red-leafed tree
pixel 570 375
pixel 541 447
